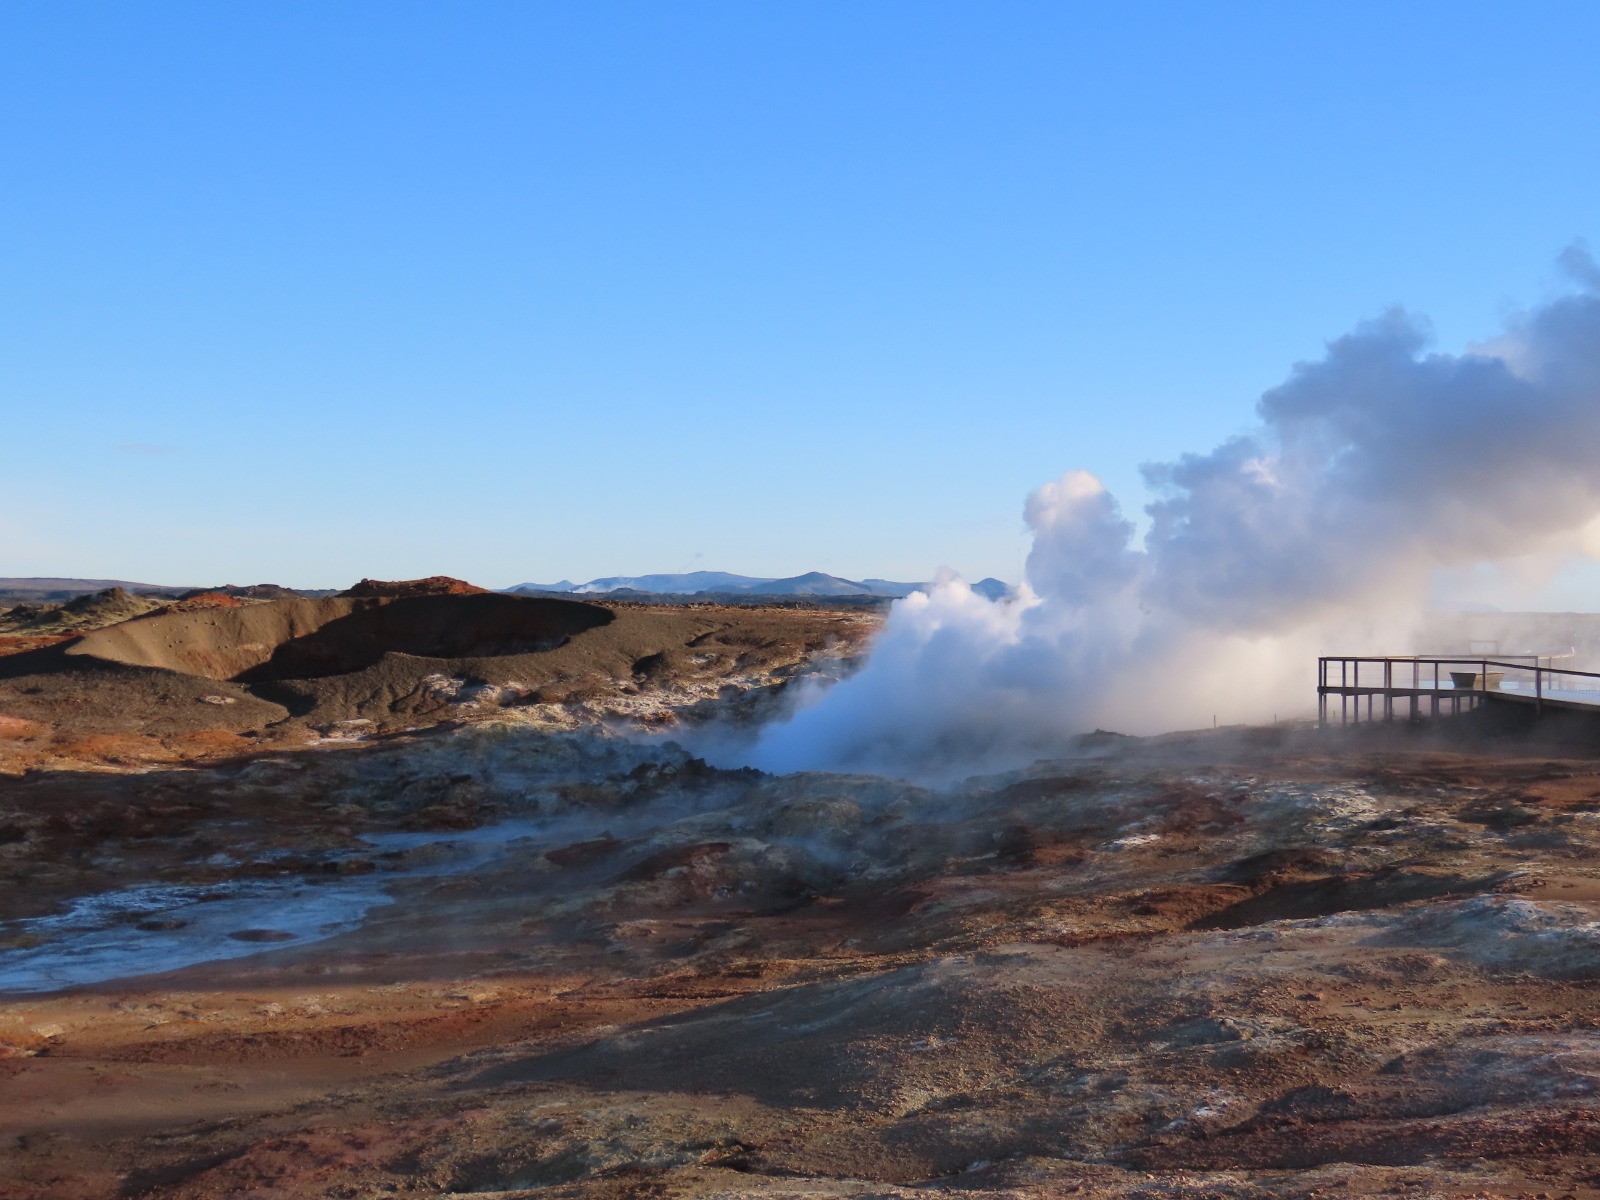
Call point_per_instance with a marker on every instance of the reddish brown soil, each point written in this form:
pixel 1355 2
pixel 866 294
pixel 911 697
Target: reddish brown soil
pixel 17 643
pixel 1213 966
pixel 433 585
pixel 203 600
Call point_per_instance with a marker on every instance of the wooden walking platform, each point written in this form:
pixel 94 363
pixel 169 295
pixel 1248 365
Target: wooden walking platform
pixel 1403 686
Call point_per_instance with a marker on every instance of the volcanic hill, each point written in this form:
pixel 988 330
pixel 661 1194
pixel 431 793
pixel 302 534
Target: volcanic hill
pixel 383 657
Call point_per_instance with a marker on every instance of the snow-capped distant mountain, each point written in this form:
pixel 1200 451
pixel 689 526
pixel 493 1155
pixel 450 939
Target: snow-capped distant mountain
pixel 686 585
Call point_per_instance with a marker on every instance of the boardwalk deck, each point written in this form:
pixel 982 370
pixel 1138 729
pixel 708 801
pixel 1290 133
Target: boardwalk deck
pixel 1448 685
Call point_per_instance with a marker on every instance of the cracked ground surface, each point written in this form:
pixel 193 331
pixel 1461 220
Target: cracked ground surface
pixel 1259 963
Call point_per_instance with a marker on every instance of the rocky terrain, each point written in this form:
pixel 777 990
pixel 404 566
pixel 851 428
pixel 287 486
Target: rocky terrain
pixel 137 681
pixel 31 619
pixel 539 949
pixel 496 960
pixel 36 623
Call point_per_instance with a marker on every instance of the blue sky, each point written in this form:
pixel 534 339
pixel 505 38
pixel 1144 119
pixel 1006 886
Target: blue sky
pixel 308 291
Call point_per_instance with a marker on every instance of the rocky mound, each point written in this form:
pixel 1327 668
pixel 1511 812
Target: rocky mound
pixel 93 610
pixel 210 599
pixel 215 643
pixel 253 591
pixel 282 672
pixel 433 585
pixel 303 639
pixel 113 601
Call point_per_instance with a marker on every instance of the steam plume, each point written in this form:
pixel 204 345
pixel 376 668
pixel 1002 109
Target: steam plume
pixel 1370 469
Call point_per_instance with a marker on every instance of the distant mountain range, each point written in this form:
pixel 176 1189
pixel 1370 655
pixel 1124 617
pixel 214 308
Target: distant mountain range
pixel 723 583
pixel 52 590
pixel 694 583
pixel 66 588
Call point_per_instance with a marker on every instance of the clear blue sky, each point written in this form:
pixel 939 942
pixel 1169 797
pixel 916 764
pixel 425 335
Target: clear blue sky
pixel 310 291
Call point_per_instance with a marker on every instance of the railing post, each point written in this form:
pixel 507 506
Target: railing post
pixel 1538 689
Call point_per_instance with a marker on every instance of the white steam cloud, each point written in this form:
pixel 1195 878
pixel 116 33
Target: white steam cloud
pixel 1322 530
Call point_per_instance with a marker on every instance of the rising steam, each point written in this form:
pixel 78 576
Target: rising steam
pixel 1371 469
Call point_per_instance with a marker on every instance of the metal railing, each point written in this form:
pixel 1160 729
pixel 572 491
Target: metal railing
pixel 1415 677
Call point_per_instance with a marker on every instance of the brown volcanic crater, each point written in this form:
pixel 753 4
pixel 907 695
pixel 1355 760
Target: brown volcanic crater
pixel 389 657
pixel 309 639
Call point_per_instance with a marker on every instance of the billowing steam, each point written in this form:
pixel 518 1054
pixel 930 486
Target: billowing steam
pixel 1371 469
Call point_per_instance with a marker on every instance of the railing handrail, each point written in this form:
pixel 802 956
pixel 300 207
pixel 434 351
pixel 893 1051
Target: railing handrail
pixel 1477 660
